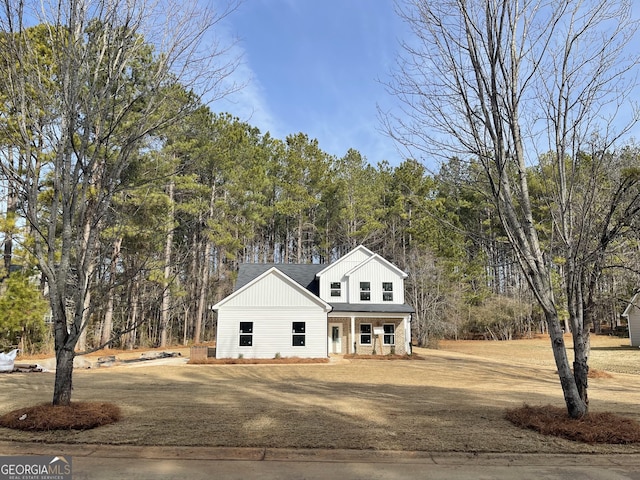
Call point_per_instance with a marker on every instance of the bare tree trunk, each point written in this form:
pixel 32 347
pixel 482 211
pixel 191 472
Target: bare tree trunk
pixel 132 321
pixel 12 203
pixel 81 346
pixel 166 293
pixel 86 310
pixel 299 240
pixel 107 322
pixel 107 325
pixel 187 325
pixel 287 244
pixel 64 377
pixel 202 293
pixel 204 272
pixel 575 406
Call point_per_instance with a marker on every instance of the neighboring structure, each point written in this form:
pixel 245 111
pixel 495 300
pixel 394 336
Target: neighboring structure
pixel 632 314
pixel 354 305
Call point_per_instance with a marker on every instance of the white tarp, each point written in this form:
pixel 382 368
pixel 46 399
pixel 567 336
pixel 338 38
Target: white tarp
pixel 7 360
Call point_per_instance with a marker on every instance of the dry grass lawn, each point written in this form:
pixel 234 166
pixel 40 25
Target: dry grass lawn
pixel 454 399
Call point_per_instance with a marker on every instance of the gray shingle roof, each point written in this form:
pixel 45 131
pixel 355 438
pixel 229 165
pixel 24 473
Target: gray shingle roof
pixel 304 274
pixel 372 307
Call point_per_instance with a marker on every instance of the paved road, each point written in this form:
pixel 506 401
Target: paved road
pixel 97 462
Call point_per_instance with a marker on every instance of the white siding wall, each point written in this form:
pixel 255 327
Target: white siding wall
pixel 272 332
pixel 271 291
pixel 634 326
pixel 272 304
pixel 376 273
pixel 335 273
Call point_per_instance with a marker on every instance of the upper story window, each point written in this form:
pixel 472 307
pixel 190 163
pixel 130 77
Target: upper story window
pixel 387 292
pixel 336 289
pixel 246 334
pixel 365 291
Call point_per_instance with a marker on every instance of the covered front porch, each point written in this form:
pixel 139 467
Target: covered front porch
pixel 368 333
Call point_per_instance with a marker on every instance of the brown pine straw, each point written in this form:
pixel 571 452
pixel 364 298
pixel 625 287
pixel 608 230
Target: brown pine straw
pixel 602 427
pixel 356 356
pixel 77 416
pixel 256 361
pixel 593 373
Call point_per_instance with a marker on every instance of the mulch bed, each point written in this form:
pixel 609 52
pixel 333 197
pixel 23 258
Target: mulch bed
pixel 77 416
pixel 255 361
pixel 294 360
pixel 355 356
pixel 592 428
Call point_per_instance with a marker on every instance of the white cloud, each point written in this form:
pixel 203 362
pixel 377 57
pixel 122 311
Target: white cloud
pixel 248 103
pixel 247 99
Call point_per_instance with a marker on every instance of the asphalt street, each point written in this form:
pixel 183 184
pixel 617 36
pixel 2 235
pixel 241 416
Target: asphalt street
pixel 106 462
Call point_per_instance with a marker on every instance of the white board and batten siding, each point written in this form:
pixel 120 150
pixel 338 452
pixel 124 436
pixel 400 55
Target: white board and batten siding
pixel 632 313
pixel 361 265
pixel 272 302
pixel 376 272
pixel 336 273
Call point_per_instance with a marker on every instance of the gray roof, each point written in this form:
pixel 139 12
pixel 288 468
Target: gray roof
pixel 372 307
pixel 304 274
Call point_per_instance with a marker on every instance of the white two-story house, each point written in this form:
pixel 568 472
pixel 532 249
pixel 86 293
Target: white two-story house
pixel 354 305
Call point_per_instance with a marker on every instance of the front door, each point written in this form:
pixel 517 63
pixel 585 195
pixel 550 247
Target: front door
pixel 335 338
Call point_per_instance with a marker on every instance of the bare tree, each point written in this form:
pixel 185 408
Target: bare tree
pixel 501 81
pixel 83 97
pixel 427 293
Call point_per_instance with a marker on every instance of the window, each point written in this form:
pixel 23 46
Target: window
pixel 246 334
pixel 365 291
pixel 335 289
pixel 389 337
pixel 387 292
pixel 298 334
pixel 365 334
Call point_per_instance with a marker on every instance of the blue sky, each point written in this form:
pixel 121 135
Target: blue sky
pixel 317 67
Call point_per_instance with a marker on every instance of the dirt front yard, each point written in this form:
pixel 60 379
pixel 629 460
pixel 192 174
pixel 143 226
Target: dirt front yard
pixel 453 399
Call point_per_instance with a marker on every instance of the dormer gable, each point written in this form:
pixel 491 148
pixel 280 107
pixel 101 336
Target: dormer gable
pixel 362 276
pixel 382 260
pixel 354 257
pixel 375 281
pixel 331 279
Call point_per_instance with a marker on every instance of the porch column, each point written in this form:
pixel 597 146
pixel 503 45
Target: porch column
pixel 353 334
pixel 407 334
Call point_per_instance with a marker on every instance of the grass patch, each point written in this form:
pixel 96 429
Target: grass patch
pixel 256 361
pixel 453 401
pixel 77 416
pixel 592 428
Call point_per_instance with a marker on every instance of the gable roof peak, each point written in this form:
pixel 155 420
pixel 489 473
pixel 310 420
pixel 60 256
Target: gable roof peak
pixel 380 259
pixel 359 248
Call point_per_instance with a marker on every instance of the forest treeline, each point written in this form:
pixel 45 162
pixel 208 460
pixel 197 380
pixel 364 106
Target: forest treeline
pixel 206 192
pixel 219 193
